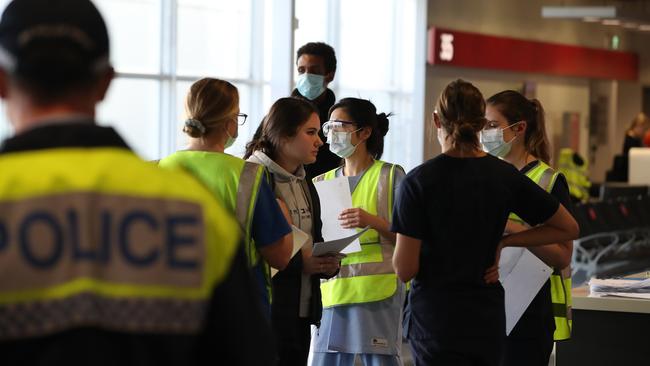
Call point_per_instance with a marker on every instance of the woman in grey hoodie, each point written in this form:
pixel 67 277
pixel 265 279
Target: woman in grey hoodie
pixel 289 139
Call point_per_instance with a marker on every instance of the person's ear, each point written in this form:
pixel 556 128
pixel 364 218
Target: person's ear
pixel 436 120
pixel 329 77
pixel 521 128
pixel 103 83
pixel 365 133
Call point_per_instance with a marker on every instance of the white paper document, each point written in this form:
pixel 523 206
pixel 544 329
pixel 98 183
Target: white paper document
pixel 522 275
pixel 336 246
pixel 335 196
pixel 300 238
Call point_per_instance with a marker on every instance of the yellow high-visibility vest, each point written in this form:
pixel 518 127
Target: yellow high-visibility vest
pixel 236 183
pixel 366 276
pixel 98 236
pixel 545 177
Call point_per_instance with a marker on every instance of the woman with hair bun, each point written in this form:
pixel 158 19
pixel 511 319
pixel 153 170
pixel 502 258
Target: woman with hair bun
pixel 449 216
pixel 213 118
pixel 362 304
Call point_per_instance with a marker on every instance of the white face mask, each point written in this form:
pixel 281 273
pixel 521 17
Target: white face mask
pixel 341 143
pixel 493 142
pixel 230 141
pixel 310 86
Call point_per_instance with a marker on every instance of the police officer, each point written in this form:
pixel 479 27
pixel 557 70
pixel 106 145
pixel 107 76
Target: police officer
pixel 104 259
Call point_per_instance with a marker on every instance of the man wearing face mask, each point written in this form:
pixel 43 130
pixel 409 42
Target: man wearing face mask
pixel 316 62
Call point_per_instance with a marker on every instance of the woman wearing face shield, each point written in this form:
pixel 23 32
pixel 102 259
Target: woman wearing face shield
pixel 363 302
pixel 450 215
pixel 516 132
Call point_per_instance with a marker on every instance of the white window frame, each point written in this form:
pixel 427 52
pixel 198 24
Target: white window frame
pixel 281 73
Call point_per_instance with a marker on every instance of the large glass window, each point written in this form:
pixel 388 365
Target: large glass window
pixel 376 55
pixel 160 47
pixel 214 38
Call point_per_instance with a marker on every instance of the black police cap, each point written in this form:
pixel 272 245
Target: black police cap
pixel 26 23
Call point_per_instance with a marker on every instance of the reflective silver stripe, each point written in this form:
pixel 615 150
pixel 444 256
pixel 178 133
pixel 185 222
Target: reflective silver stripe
pixel 371 268
pixel 245 193
pixel 384 188
pixel 546 179
pixel 136 315
pixel 247 180
pixel 384 191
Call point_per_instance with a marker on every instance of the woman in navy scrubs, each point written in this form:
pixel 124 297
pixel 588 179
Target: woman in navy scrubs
pixel 449 216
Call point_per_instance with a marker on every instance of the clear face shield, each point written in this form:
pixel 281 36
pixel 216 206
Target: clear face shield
pixel 339 137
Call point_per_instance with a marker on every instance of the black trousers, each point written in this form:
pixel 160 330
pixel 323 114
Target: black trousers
pixel 527 351
pixel 293 336
pixel 457 352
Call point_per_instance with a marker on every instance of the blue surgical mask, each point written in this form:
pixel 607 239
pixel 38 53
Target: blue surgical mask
pixel 310 86
pixel 493 142
pixel 341 143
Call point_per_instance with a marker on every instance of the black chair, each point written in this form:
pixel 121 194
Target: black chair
pixel 619 170
pixel 609 191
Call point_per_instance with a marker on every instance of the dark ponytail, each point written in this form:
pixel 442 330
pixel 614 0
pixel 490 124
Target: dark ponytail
pixel 364 114
pixel 515 108
pixel 461 109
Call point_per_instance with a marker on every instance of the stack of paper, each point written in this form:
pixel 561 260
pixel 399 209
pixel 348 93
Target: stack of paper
pixel 624 287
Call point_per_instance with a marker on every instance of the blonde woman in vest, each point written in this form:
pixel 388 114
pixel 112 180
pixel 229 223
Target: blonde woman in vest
pixel 515 132
pixel 287 141
pixel 213 118
pixel 363 303
pixel 450 214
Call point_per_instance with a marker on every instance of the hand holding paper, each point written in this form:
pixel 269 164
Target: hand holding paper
pixel 339 199
pixel 336 246
pixel 300 238
pixel 352 218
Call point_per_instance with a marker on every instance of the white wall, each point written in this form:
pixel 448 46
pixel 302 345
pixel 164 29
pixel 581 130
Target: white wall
pixel 558 95
pixel 522 19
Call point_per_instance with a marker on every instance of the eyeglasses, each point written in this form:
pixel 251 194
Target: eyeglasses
pixel 241 118
pixel 335 124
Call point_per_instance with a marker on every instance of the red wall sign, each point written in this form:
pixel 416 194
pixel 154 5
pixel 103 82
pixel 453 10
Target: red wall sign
pixel 473 50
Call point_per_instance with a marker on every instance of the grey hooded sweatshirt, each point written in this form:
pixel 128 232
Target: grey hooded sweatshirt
pixel 290 188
